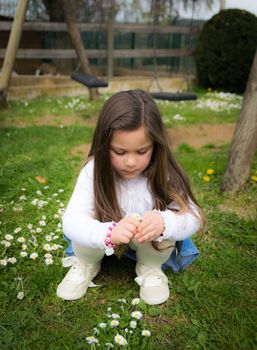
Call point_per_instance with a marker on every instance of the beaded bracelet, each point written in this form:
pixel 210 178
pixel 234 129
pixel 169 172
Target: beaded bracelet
pixel 108 241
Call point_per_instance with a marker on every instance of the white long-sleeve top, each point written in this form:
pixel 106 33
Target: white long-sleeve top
pixel 133 196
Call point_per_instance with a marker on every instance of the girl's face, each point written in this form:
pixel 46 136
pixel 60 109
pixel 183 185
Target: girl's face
pixel 130 152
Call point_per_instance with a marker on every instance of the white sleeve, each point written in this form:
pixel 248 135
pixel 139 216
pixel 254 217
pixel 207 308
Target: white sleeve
pixel 180 226
pixel 78 221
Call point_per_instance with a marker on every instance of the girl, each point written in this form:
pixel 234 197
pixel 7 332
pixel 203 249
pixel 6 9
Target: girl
pixel 130 169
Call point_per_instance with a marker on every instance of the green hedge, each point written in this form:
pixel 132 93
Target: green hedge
pixel 225 50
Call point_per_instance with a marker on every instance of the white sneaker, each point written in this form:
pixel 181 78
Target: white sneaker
pixel 153 284
pixel 77 280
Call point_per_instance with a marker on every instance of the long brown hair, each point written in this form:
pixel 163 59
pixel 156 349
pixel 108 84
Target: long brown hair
pixel 128 110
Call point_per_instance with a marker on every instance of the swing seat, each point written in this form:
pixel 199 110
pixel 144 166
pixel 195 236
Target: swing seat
pixel 176 96
pixel 89 80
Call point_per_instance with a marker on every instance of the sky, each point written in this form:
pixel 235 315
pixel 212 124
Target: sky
pixel 204 13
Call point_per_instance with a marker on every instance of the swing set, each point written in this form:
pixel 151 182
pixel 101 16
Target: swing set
pixel 93 82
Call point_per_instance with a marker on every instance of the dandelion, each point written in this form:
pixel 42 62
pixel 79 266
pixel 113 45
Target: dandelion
pixel 17 230
pixel 12 260
pixel 92 340
pixel 133 324
pixel 135 301
pixel 20 295
pixel 114 323
pixel 23 254
pixel 120 340
pixel 102 325
pixel 206 178
pixel 210 171
pixel 136 314
pixel 49 261
pixel 146 333
pixel 33 256
pixel 21 239
pixel 3 262
pixel 254 178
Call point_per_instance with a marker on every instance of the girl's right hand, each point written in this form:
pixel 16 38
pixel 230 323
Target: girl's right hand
pixel 124 231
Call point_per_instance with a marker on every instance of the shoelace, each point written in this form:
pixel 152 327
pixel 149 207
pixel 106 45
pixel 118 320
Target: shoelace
pixel 70 261
pixel 151 278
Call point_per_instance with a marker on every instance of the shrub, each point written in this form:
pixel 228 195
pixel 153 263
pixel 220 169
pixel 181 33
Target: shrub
pixel 225 50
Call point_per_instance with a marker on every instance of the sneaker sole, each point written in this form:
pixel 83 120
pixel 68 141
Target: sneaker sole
pixel 155 301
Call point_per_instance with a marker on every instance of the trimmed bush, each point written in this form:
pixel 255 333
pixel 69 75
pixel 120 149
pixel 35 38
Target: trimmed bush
pixel 225 50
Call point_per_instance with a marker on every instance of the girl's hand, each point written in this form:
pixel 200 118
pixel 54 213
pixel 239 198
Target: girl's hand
pixel 150 228
pixel 124 231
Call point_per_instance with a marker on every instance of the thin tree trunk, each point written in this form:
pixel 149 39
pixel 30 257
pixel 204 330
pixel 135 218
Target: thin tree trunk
pixel 12 48
pixel 77 42
pixel 244 140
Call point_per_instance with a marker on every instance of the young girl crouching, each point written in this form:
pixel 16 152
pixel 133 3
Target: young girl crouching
pixel 130 169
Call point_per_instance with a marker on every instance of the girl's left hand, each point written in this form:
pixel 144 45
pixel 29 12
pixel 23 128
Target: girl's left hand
pixel 150 228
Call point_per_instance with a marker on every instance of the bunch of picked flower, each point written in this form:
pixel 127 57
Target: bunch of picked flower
pixel 123 325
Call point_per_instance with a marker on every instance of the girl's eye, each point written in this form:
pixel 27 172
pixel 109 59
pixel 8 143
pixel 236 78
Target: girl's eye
pixel 119 153
pixel 142 152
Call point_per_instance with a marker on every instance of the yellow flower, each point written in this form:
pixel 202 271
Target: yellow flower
pixel 206 178
pixel 254 178
pixel 210 171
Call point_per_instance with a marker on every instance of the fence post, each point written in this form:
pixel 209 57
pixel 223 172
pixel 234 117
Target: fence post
pixel 11 50
pixel 110 41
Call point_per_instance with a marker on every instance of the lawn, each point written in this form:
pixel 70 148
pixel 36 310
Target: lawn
pixel 212 303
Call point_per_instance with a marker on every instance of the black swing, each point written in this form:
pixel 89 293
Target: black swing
pixel 89 80
pixel 172 96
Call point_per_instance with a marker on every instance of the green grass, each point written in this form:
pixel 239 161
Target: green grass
pixel 212 304
pixel 210 107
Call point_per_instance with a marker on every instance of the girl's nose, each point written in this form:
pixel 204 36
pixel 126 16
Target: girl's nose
pixel 130 161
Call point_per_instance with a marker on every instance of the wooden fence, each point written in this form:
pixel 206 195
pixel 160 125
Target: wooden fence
pixel 110 53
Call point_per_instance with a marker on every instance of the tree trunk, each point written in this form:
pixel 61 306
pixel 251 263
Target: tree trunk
pixel 74 33
pixel 244 140
pixel 12 48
